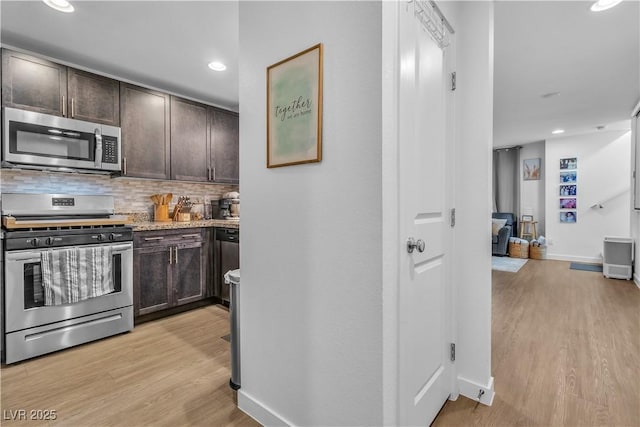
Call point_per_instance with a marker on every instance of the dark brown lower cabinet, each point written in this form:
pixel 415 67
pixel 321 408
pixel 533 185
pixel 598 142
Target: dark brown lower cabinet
pixel 169 269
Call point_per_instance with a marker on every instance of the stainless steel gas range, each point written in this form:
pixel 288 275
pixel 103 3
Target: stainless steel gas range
pixel 68 263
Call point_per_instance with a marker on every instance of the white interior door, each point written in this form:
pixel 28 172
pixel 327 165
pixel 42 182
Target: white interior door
pixel 424 305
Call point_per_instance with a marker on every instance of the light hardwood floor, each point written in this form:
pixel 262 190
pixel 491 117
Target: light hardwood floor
pixel 565 351
pixel 169 372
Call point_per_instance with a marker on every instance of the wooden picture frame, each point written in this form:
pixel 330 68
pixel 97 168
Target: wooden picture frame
pixel 294 109
pixel 526 218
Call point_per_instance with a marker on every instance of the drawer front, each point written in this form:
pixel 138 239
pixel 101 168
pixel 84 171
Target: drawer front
pixel 142 239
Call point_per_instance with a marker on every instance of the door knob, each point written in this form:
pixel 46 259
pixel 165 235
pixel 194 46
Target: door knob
pixel 415 244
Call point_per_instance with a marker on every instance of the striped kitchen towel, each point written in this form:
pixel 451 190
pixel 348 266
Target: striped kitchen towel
pixel 76 274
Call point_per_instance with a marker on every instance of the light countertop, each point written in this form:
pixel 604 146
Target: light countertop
pixel 151 225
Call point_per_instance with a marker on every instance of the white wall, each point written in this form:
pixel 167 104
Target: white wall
pixel 473 22
pixel 311 251
pixel 311 248
pixel 532 197
pixel 603 178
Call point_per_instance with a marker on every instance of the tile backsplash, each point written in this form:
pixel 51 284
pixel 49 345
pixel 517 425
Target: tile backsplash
pixel 131 195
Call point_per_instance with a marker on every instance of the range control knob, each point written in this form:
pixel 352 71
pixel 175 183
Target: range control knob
pixel 101 237
pixel 34 242
pixel 112 237
pixel 49 241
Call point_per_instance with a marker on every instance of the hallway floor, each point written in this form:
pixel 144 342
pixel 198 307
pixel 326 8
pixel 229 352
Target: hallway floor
pixel 565 351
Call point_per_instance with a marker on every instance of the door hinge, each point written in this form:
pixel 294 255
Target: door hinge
pixel 453 352
pixel 453 217
pixel 453 81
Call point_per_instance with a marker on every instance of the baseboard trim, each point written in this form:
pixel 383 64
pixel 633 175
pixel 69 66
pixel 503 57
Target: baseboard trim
pixel 259 412
pixel 470 389
pixel 571 258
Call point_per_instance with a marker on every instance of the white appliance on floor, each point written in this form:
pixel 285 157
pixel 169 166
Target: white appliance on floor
pixel 617 257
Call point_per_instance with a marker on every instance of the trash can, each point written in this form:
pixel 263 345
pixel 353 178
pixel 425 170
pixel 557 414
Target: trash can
pixel 232 278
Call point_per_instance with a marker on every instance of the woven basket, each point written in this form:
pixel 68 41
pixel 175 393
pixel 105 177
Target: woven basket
pixel 538 252
pixel 517 250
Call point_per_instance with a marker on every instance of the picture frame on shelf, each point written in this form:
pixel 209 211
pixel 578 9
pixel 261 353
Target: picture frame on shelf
pixel 294 109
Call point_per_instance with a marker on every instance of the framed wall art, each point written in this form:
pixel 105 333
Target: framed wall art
pixel 294 109
pixel 568 177
pixel 531 169
pixel 568 203
pixel 568 190
pixel 569 163
pixel 569 217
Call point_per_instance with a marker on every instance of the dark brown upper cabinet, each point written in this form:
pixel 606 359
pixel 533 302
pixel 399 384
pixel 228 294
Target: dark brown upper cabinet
pixel 225 146
pixel 189 141
pixel 93 98
pixel 35 84
pixel 204 143
pixel 146 138
pixel 163 136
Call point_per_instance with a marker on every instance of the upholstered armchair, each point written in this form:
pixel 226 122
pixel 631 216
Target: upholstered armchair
pixel 504 226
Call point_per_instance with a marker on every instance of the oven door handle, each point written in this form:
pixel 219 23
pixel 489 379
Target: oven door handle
pixel 121 248
pixel 28 257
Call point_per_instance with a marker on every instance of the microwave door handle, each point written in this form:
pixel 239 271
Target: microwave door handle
pixel 98 160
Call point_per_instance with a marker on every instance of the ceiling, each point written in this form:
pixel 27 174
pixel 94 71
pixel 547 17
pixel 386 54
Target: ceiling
pixel 541 47
pixel 163 44
pixel 592 59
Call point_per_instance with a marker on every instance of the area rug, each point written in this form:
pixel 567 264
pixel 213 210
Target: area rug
pixel 586 267
pixel 505 263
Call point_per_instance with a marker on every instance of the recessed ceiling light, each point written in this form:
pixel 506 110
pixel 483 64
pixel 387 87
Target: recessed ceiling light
pixel 550 94
pixel 558 131
pixel 217 66
pixel 61 5
pixel 601 5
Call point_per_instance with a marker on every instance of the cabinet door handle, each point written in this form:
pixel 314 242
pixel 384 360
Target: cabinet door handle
pixel 214 174
pixel 186 236
pixel 170 256
pixel 208 173
pixel 124 165
pixel 72 109
pixel 176 254
pixel 148 239
pixel 64 106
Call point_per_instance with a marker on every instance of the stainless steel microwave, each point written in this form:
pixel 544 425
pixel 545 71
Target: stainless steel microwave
pixel 47 141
